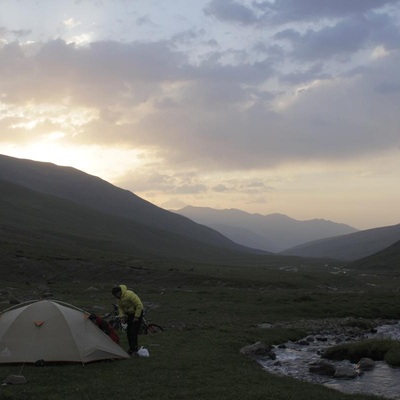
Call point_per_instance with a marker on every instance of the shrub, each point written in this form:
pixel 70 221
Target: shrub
pixel 376 349
pixel 392 357
pixel 359 323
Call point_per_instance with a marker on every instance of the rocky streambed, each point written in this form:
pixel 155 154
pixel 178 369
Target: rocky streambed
pixel 303 359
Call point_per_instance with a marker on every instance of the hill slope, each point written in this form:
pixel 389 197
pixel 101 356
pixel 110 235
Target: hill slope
pixel 388 258
pixel 349 247
pixel 93 192
pixel 50 221
pixel 274 232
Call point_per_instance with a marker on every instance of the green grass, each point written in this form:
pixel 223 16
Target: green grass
pixel 209 313
pixel 376 349
pixel 182 365
pixel 209 309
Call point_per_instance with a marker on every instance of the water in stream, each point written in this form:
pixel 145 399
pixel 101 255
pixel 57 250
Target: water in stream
pixel 295 359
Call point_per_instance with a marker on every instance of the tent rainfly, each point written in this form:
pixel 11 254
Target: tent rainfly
pixel 53 332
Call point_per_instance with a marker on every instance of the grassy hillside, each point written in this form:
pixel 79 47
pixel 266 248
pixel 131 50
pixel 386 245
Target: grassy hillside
pixel 92 192
pixel 349 247
pixel 35 227
pixel 387 259
pixel 32 213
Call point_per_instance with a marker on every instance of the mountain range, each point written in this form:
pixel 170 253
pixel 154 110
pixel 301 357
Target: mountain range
pixel 67 210
pixel 273 232
pixel 39 198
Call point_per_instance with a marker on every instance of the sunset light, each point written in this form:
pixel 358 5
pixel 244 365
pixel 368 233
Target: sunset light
pixel 190 104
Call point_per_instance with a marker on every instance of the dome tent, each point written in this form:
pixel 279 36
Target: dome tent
pixel 53 331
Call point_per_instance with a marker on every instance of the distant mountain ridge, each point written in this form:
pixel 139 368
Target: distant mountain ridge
pixel 273 232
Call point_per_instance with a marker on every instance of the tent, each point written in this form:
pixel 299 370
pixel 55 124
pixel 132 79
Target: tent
pixel 53 332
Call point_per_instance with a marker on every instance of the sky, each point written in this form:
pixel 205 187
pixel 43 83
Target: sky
pixel 267 106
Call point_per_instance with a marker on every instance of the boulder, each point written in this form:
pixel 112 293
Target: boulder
pixel 365 364
pixel 322 368
pixel 345 372
pixel 258 350
pixel 303 342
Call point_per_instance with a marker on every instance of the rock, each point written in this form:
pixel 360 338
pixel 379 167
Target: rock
pixel 322 368
pixel 258 350
pixel 345 372
pixel 264 325
pixel 303 342
pixel 365 364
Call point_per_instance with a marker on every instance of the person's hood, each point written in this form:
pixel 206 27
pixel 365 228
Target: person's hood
pixel 124 288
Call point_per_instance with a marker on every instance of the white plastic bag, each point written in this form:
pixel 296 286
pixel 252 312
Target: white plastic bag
pixel 143 352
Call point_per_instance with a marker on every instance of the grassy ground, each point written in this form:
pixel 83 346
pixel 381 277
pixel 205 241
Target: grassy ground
pixel 209 313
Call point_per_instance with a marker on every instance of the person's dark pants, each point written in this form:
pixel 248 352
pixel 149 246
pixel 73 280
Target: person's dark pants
pixel 132 332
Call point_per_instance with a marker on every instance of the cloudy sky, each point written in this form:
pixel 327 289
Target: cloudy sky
pixel 268 106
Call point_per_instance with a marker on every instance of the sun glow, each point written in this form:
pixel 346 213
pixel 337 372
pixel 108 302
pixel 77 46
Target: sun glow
pixel 115 162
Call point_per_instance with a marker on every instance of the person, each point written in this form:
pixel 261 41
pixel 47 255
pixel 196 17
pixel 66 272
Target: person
pixel 130 308
pixel 105 327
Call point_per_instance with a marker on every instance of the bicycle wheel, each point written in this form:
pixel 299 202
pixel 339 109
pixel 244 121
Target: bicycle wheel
pixel 153 328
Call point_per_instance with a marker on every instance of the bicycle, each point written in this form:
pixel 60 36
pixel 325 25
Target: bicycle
pixel 149 327
pixel 119 324
pixel 114 320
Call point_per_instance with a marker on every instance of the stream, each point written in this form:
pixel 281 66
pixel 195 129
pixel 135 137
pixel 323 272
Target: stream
pixel 294 360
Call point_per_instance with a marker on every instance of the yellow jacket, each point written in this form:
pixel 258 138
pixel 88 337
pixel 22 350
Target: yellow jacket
pixel 129 303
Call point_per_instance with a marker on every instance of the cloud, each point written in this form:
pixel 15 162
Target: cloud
pixel 103 75
pixel 284 11
pixel 279 12
pixel 220 188
pixel 297 77
pixel 147 177
pixel 231 11
pixel 230 109
pixel 345 38
pixel 9 35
